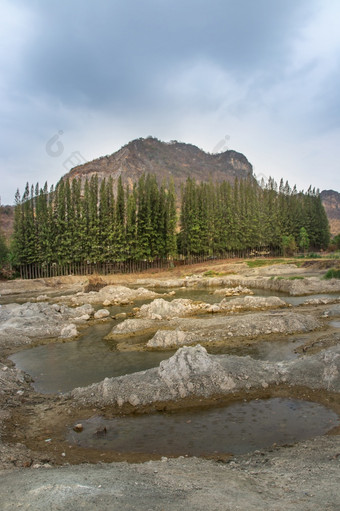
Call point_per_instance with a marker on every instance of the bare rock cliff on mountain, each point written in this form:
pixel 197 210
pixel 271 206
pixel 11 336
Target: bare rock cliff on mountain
pixel 165 160
pixel 331 202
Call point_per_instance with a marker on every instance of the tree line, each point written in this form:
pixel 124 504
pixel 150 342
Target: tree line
pixel 91 222
pixel 217 217
pixel 72 223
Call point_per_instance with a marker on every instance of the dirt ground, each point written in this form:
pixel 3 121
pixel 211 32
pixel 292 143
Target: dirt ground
pixel 38 473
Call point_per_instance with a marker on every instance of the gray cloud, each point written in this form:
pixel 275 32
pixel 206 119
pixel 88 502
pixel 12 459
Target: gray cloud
pixel 98 54
pixel 105 72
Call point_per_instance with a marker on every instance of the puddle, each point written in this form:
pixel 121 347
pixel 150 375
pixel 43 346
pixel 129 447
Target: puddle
pixel 60 367
pixel 207 294
pixel 272 351
pixel 335 324
pixel 237 429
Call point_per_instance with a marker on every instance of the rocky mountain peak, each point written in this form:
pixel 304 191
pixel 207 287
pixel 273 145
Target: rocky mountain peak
pixel 165 159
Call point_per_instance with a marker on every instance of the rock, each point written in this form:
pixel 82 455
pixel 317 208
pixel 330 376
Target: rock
pixel 111 295
pixel 334 311
pixel 83 318
pixel 233 291
pixel 162 309
pixel 164 339
pixel 80 311
pixel 321 301
pixel 69 331
pixel 121 315
pixel 131 327
pixel 251 303
pixel 101 314
pixel 42 298
pixel 191 368
pixel 78 428
pixel 192 372
pixel 23 323
pixel 219 329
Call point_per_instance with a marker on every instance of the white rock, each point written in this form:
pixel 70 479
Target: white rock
pixel 42 298
pixel 69 331
pixel 101 313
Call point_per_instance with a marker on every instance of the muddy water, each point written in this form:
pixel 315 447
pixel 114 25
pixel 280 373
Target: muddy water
pixel 60 367
pixel 272 351
pixel 238 428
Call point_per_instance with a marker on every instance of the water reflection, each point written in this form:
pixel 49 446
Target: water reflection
pixel 238 428
pixel 60 367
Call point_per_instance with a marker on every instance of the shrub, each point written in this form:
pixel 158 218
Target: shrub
pixel 332 274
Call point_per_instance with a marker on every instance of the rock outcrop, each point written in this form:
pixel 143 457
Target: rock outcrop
pixel 191 372
pixel 164 159
pixel 248 303
pixel 233 291
pixel 110 295
pixel 220 328
pixel 162 309
pixel 20 324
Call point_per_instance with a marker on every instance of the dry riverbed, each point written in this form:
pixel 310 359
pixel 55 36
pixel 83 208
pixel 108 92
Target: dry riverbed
pixel 40 469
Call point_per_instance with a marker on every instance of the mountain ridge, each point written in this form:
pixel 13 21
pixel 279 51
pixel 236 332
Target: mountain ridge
pixel 176 160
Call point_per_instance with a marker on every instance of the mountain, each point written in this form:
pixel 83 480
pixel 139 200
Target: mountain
pixel 165 159
pixel 331 202
pixel 6 221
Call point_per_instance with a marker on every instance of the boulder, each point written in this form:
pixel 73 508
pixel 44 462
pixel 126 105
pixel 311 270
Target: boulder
pixel 168 339
pixel 69 331
pixel 101 314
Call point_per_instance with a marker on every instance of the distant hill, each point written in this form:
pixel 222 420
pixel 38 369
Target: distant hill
pixel 331 202
pixel 6 220
pixel 165 159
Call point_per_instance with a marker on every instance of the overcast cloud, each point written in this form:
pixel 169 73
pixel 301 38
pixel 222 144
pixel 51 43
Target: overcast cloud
pixel 261 75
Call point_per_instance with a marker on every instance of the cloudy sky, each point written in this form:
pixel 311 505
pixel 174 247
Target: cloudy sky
pixel 81 78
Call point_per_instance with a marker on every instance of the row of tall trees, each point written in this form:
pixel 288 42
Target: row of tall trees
pixel 72 223
pixel 97 222
pixel 243 215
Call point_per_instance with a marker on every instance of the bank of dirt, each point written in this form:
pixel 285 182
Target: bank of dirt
pixel 304 477
pixel 40 470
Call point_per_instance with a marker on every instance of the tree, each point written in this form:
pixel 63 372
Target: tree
pixel 303 239
pixel 3 248
pixel 336 241
pixel 288 245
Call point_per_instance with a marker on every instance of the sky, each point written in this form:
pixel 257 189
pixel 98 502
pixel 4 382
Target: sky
pixel 80 79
